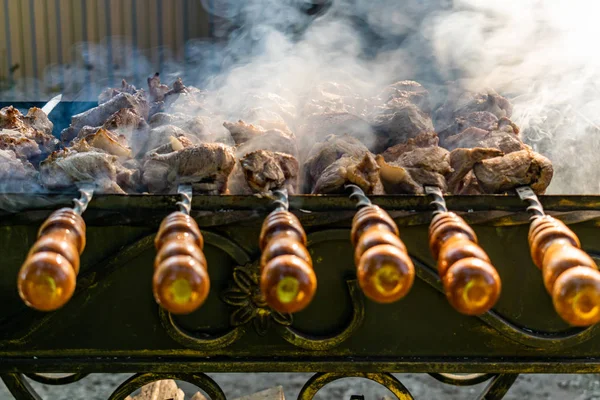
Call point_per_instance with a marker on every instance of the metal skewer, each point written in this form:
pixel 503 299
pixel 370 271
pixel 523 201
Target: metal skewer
pixel 181 282
pixel 287 279
pixel 470 282
pixel 48 276
pixel 570 275
pixel 384 269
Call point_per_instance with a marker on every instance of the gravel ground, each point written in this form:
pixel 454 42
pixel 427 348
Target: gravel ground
pixel 423 387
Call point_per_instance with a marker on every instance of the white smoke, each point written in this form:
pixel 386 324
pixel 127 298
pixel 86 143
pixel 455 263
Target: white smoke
pixel 539 54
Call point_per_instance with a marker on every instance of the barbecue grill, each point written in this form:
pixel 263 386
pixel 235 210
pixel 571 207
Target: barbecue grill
pixel 112 323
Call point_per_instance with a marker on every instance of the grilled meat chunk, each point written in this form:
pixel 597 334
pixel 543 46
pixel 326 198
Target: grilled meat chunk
pixel 318 126
pixel 97 116
pixel 324 154
pixel 16 175
pixel 462 161
pixel 109 93
pixel 410 91
pixel 65 168
pixel 361 171
pixel 462 103
pixel 29 136
pixel 399 120
pixel 524 167
pixel 423 140
pixel 206 166
pixel 267 170
pixel 504 140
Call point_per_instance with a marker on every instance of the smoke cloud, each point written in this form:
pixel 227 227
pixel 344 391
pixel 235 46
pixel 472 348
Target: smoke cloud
pixel 539 54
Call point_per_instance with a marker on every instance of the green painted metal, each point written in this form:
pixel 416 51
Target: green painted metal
pixel 112 323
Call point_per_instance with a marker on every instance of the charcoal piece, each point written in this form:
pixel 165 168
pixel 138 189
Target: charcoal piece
pixel 206 166
pixel 266 170
pixel 362 171
pixel 524 167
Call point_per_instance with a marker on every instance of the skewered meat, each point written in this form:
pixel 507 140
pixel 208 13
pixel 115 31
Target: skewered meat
pixel 324 154
pixel 206 166
pixel 462 161
pixel 249 138
pixel 103 140
pixel 427 139
pixel 399 120
pixel 525 167
pixel 460 104
pixel 267 170
pixel 64 169
pixel 156 138
pixel 109 93
pixel 29 136
pixel 398 179
pixel 16 175
pixel 411 91
pixel 361 171
pixel 97 116
pixel 318 126
pixel 197 126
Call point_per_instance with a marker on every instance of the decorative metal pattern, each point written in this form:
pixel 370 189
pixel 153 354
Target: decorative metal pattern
pixel 318 381
pixel 50 380
pixel 499 384
pixel 249 303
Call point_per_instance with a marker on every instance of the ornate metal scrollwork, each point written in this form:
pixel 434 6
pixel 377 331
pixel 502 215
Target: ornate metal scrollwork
pixel 461 380
pixel 554 341
pixel 318 381
pixel 57 381
pixel 137 381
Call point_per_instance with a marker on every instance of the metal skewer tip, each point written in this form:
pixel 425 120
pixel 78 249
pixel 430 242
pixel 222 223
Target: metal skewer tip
pixel 438 199
pixel 358 193
pixel 87 192
pixel 535 207
pixel 185 205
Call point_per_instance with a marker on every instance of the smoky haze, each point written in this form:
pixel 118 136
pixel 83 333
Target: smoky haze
pixel 539 54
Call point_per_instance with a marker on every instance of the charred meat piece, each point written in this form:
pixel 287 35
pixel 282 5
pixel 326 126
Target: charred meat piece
pixel 397 179
pixel 16 175
pixel 460 104
pixel 156 138
pixel 29 136
pixel 97 116
pixel 484 120
pixel 318 126
pixel 249 138
pixel 324 154
pixel 267 170
pixel 525 167
pixel 65 168
pixel 504 140
pixel 411 91
pixel 361 171
pixel 429 139
pixel 23 147
pixel 197 126
pixel 462 162
pixel 103 140
pixel 206 166
pixel 109 93
pixel 398 121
